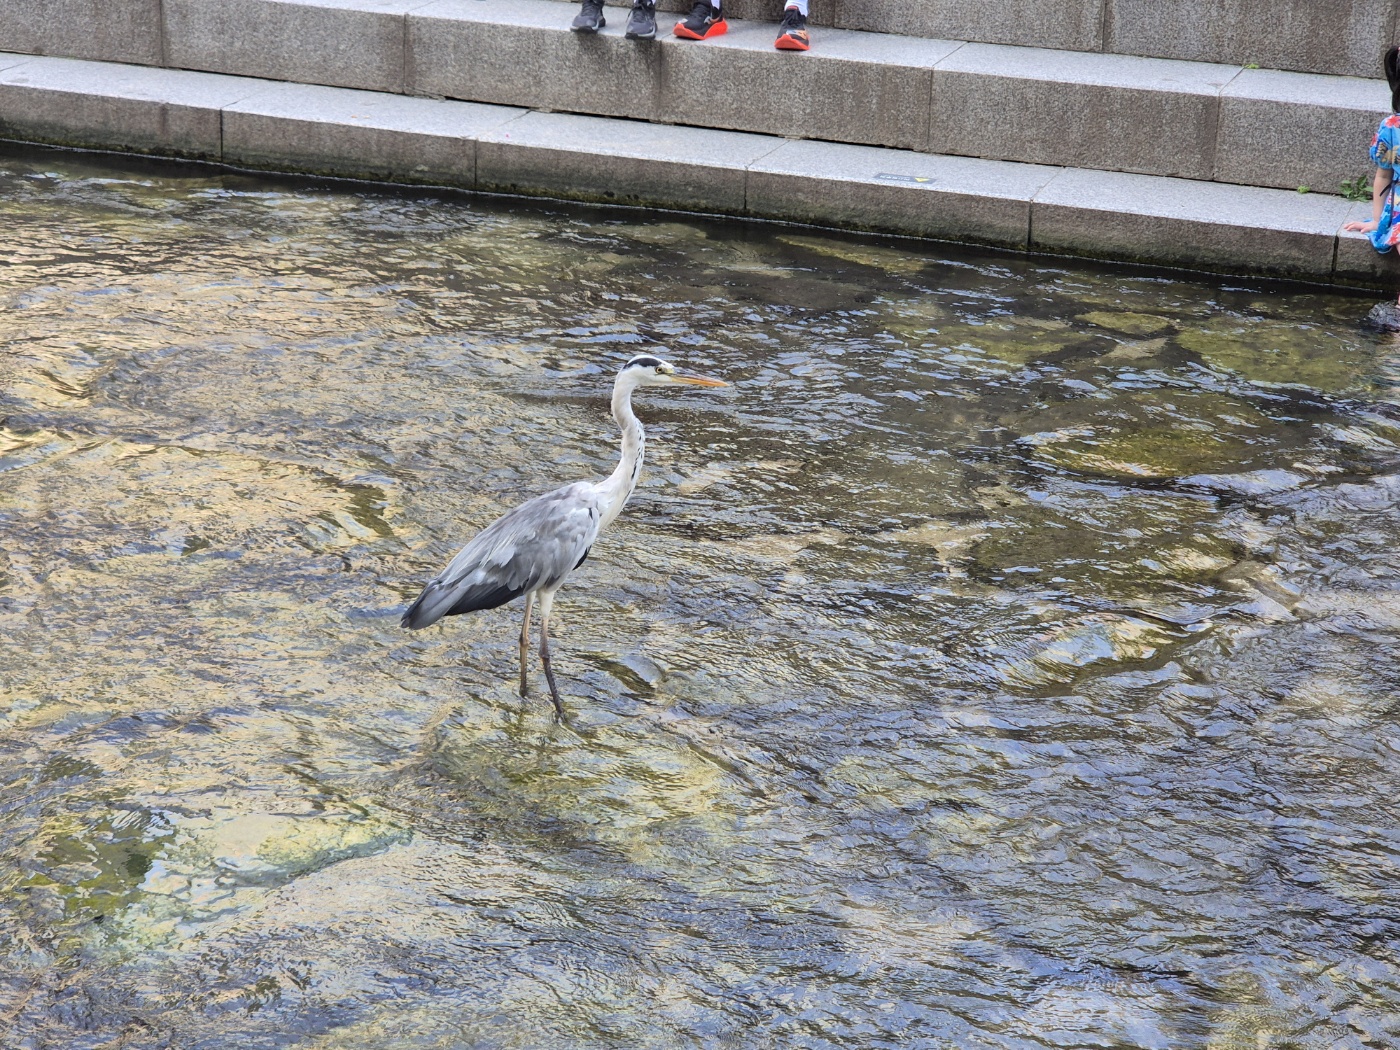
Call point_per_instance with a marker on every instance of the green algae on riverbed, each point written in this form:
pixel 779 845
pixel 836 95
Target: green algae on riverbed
pixel 1006 662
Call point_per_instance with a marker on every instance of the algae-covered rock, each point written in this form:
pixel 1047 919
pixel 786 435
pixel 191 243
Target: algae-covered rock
pixel 1015 342
pixel 1131 546
pixel 95 863
pixel 1158 452
pixel 942 536
pixel 878 257
pixel 1061 653
pixel 1140 325
pixel 210 869
pixel 1164 435
pixel 269 847
pixel 1278 354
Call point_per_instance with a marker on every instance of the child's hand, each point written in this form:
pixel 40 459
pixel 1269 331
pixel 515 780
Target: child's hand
pixel 1360 227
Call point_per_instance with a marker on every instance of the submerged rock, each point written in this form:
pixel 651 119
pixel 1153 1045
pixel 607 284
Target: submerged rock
pixel 1059 654
pixel 1280 353
pixel 1384 317
pixel 1129 323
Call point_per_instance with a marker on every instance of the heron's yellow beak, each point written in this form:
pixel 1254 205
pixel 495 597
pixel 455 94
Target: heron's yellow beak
pixel 696 380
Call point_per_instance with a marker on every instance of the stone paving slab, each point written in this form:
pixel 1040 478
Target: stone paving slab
pixel 364 134
pixel 340 43
pixel 100 104
pixel 112 31
pixel 260 123
pixel 1072 25
pixel 1179 222
pixel 863 187
pixel 521 53
pixel 621 161
pixel 1297 129
pixel 857 87
pixel 1114 112
pixel 1346 37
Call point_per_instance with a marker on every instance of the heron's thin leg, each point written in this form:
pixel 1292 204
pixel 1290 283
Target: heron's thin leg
pixel 525 645
pixel 547 603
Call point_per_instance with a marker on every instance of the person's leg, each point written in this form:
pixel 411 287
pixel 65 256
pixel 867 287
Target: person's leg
pixel 704 22
pixel 792 31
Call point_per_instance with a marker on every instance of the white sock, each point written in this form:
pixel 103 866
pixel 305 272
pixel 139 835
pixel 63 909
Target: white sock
pixel 801 6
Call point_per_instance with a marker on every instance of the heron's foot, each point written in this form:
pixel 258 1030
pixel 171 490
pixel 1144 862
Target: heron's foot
pixel 524 686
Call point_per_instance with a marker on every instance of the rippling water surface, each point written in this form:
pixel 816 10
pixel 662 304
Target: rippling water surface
pixel 1006 661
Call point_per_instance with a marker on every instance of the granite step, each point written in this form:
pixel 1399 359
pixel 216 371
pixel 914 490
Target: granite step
pixel 1151 116
pixel 1342 39
pixel 1156 116
pixel 280 126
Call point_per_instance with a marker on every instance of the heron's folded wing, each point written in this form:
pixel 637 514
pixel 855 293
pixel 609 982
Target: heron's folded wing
pixel 535 545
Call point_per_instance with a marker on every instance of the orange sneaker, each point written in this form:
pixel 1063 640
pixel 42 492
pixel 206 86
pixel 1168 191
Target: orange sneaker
pixel 792 31
pixel 704 22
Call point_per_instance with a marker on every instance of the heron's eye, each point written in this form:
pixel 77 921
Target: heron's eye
pixel 660 369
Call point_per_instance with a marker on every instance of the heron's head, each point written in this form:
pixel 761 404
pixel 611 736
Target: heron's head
pixel 646 370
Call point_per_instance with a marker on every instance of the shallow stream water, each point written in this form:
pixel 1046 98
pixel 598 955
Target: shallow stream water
pixel 1006 661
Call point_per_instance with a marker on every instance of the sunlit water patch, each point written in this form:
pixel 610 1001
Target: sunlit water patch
pixel 1005 662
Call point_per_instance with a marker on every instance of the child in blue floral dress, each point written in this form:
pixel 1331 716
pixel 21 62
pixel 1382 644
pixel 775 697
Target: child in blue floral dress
pixel 1384 229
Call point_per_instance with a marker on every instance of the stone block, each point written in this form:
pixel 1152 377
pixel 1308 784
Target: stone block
pixel 1073 25
pixel 1198 225
pixel 861 187
pixel 77 103
pixel 1112 112
pixel 1266 115
pixel 620 162
pixel 858 87
pixel 341 43
pixel 105 30
pixel 1342 37
pixel 298 127
pixel 1357 262
pixel 521 53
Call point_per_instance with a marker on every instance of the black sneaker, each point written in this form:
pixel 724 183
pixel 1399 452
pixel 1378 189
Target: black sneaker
pixel 703 23
pixel 641 23
pixel 590 19
pixel 792 31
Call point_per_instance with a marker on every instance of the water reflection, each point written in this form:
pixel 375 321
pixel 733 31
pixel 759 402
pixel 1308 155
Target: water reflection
pixel 1006 664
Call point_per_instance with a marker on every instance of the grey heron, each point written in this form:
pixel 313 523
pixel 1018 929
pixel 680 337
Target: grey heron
pixel 532 549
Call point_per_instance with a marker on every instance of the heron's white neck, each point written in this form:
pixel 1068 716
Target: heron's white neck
pixel 623 480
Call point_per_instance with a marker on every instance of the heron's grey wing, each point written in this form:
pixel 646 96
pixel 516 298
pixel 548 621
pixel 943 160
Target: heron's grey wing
pixel 535 545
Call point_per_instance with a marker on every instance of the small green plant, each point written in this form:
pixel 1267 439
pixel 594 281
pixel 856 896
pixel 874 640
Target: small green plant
pixel 1357 189
pixel 1304 189
pixel 1251 65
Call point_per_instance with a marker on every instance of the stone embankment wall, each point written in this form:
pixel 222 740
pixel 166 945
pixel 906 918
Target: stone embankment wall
pixel 1171 131
pixel 1338 37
